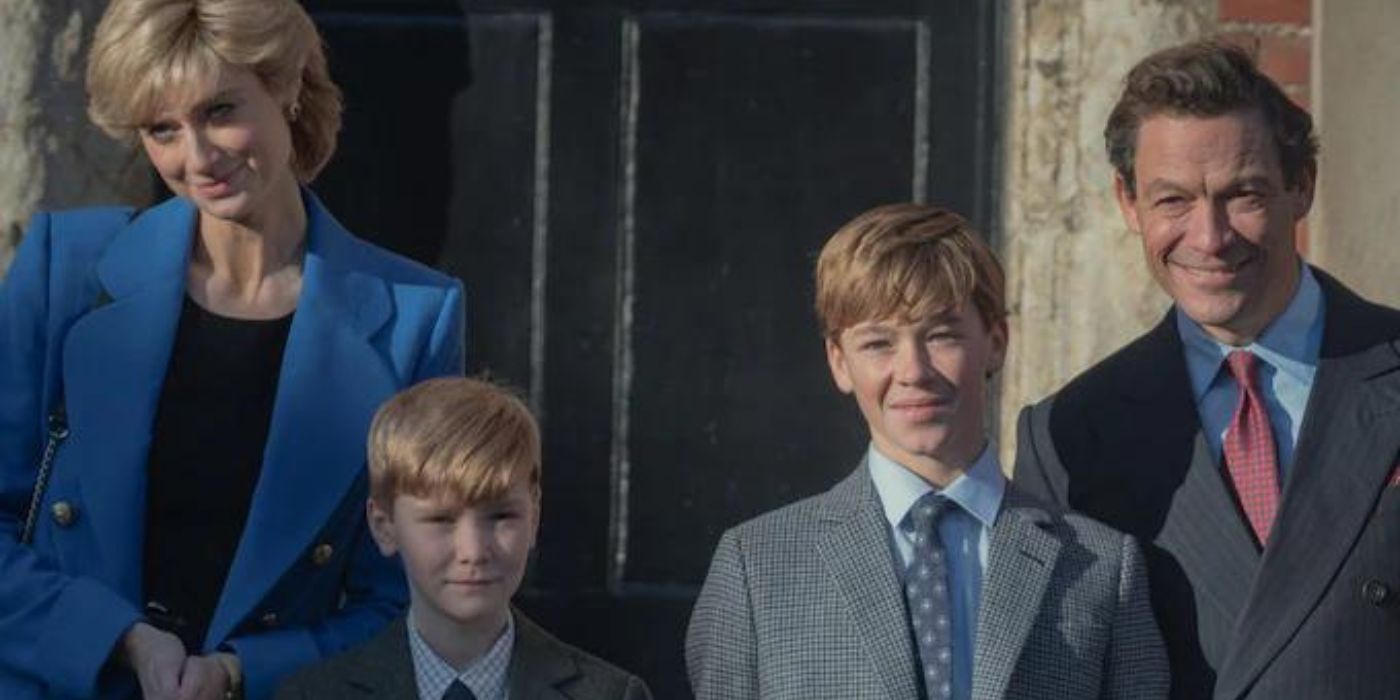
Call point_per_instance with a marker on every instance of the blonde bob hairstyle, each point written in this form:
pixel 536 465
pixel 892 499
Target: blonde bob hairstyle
pixel 906 261
pixel 146 53
pixel 466 441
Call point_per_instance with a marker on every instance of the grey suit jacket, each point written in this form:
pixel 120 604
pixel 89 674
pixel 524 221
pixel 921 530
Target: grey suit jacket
pixel 804 603
pixel 1315 615
pixel 541 668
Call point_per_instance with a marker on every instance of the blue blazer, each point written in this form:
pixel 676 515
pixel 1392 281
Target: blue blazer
pixel 306 579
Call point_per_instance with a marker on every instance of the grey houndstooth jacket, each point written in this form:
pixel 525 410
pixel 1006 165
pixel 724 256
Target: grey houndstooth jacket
pixel 804 603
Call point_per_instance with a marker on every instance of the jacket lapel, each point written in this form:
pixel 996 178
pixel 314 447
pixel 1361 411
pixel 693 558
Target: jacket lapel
pixel 1207 532
pixel 537 665
pixel 332 380
pixel 1020 562
pixel 1201 526
pixel 854 544
pixel 383 667
pixel 114 365
pixel 1346 450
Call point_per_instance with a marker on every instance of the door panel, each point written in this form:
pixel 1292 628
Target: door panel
pixel 634 194
pixel 754 138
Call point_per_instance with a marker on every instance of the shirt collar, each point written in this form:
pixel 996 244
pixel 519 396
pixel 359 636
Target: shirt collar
pixel 485 675
pixel 978 491
pixel 1290 343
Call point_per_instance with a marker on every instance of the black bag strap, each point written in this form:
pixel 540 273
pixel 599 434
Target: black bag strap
pixel 57 433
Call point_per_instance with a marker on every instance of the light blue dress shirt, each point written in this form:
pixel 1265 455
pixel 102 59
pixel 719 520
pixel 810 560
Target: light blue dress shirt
pixel 965 532
pixel 1288 351
pixel 485 675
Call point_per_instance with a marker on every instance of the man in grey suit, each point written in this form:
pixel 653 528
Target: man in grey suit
pixel 923 574
pixel 1252 436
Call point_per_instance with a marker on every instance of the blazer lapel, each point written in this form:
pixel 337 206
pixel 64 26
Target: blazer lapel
pixel 1020 561
pixel 1207 532
pixel 114 365
pixel 1346 450
pixel 332 380
pixel 1202 527
pixel 384 666
pixel 537 666
pixel 854 544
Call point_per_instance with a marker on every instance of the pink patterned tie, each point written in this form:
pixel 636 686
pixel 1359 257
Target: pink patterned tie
pixel 1250 457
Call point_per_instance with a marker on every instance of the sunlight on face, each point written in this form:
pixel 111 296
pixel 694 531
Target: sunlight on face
pixel 921 385
pixel 1216 219
pixel 225 145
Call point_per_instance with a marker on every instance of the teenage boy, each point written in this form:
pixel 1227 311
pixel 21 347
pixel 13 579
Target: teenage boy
pixel 923 574
pixel 454 470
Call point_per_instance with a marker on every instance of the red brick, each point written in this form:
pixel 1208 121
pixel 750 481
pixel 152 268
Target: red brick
pixel 1287 60
pixel 1248 41
pixel 1273 11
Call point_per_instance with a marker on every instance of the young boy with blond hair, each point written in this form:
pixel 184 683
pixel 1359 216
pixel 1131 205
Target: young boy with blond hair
pixel 454 469
pixel 923 574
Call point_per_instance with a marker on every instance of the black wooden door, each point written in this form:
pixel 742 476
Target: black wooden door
pixel 634 194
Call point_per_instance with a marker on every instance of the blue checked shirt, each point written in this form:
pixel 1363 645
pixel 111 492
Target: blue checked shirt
pixel 486 675
pixel 965 532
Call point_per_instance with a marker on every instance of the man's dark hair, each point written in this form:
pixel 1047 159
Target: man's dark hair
pixel 1207 79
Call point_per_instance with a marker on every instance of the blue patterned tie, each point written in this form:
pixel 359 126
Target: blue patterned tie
pixel 458 691
pixel 926 589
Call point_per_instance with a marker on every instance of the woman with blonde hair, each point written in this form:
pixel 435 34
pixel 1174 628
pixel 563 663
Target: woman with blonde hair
pixel 185 391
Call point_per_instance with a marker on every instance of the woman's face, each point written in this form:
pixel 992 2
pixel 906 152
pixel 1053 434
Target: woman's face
pixel 225 145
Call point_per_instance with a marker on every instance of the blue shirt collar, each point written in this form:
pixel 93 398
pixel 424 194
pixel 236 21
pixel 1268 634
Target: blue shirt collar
pixel 1290 343
pixel 978 491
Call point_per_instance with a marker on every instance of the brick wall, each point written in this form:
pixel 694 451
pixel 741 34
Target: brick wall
pixel 1280 33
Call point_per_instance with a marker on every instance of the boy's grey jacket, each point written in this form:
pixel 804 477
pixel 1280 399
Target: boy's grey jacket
pixel 541 668
pixel 804 603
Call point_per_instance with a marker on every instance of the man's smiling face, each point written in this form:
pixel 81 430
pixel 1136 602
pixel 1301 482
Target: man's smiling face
pixel 1216 218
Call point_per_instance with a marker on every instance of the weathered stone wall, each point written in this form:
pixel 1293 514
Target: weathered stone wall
pixel 50 154
pixel 1356 224
pixel 1077 285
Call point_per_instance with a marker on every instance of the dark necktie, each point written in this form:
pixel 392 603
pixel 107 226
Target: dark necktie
pixel 1250 457
pixel 926 590
pixel 458 691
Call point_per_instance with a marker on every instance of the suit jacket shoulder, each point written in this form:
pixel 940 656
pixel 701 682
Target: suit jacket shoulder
pixel 1137 368
pixel 1353 324
pixel 1085 542
pixel 781 550
pixel 353 251
pixel 90 226
pixel 542 666
pixel 782 523
pixel 1136 401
